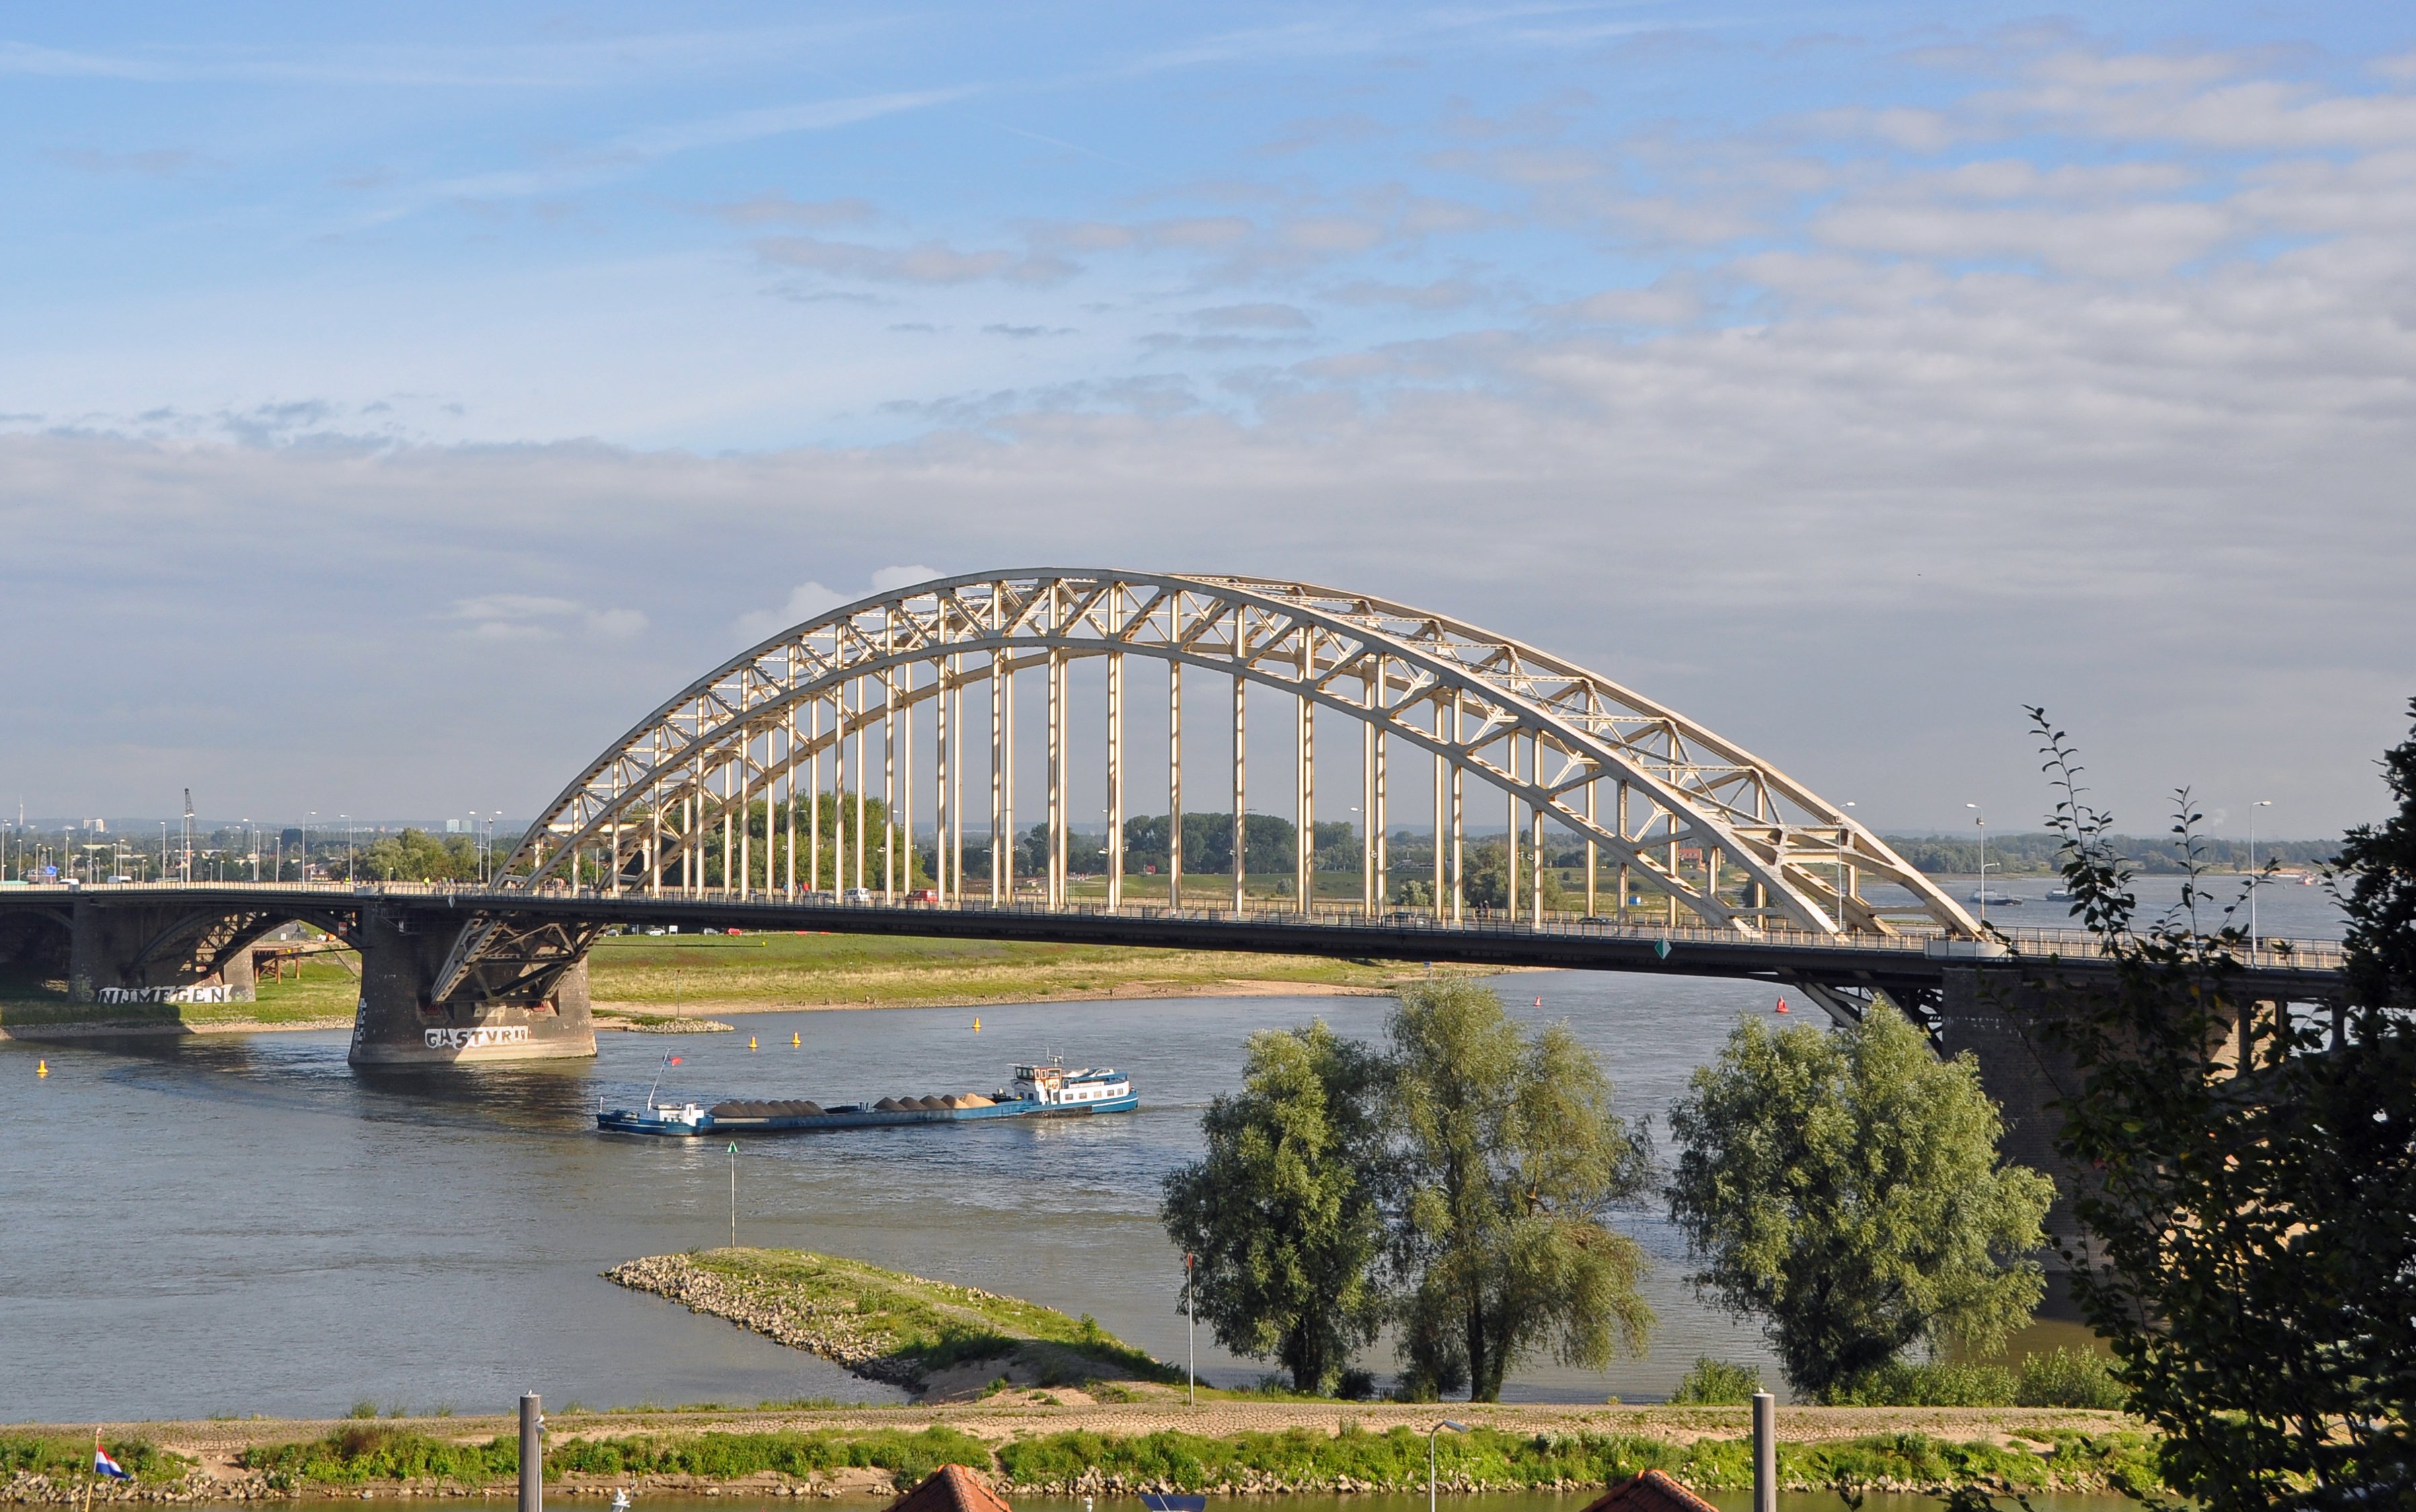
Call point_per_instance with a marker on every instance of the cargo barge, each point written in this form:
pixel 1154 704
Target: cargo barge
pixel 1047 1091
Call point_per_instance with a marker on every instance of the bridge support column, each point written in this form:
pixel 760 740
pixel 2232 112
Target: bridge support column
pixel 1993 1016
pixel 241 978
pixel 107 958
pixel 401 952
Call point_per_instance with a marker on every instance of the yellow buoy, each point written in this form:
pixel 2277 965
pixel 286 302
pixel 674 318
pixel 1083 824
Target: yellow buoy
pixel 976 1025
pixel 794 1040
pixel 41 1068
pixel 750 1042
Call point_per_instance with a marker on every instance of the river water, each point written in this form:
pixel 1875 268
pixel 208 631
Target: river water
pixel 244 1224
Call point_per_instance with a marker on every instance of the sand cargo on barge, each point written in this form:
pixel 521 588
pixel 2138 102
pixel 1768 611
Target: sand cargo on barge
pixel 1048 1091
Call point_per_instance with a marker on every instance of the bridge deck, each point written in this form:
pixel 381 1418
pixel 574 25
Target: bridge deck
pixel 2300 970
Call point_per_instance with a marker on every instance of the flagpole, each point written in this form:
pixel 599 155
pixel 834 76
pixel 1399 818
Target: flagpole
pixel 92 1471
pixel 733 1194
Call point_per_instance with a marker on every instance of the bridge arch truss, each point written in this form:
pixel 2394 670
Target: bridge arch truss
pixel 1639 783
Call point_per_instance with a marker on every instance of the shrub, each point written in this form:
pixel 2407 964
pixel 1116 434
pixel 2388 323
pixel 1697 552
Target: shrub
pixel 58 1457
pixel 1898 1384
pixel 1716 1384
pixel 2069 1378
pixel 371 1451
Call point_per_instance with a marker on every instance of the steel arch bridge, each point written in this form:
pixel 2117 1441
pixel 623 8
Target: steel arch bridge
pixel 1639 783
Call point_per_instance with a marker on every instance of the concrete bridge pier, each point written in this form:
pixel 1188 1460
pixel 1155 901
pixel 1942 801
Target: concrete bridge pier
pixel 1990 1014
pixel 402 951
pixel 137 951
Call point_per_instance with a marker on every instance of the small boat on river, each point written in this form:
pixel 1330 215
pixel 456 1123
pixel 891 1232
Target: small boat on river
pixel 1038 1091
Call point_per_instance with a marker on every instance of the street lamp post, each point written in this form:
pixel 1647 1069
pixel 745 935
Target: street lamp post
pixel 306 847
pixel 1842 925
pixel 1190 1338
pixel 1456 1428
pixel 2253 879
pixel 1982 821
pixel 348 845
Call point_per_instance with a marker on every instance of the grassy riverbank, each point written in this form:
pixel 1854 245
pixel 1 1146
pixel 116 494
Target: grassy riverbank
pixel 773 971
pixel 1227 1447
pixel 1350 1458
pixel 317 992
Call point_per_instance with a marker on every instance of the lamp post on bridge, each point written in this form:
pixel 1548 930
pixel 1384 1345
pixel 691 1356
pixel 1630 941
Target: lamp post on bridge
pixel 1982 821
pixel 348 845
pixel 2254 880
pixel 1842 926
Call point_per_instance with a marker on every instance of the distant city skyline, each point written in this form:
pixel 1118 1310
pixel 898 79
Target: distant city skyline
pixel 407 404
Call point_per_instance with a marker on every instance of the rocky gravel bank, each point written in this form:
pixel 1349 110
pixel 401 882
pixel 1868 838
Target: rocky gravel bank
pixel 832 1329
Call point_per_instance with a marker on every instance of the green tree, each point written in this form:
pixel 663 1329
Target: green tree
pixel 1845 1186
pixel 1511 1159
pixel 1488 878
pixel 416 855
pixel 2250 1211
pixel 1284 1214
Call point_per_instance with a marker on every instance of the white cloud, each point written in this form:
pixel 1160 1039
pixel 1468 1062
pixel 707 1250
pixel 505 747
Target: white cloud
pixel 926 262
pixel 811 601
pixel 617 623
pixel 806 600
pixel 511 617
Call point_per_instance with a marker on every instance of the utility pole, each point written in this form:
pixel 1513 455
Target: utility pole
pixel 189 837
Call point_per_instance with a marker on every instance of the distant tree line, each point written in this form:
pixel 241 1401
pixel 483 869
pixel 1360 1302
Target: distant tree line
pixel 2041 855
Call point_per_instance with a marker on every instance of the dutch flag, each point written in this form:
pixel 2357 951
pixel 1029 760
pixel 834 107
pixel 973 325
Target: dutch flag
pixel 103 1465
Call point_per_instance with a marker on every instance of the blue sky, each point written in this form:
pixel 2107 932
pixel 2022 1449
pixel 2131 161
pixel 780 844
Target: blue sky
pixel 1848 376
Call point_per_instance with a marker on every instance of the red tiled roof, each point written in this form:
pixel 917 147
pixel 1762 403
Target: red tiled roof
pixel 1652 1491
pixel 950 1489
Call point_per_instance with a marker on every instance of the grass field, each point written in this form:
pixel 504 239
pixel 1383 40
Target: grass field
pixel 862 970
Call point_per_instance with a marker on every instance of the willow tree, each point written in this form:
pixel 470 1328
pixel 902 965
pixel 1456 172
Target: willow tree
pixel 1284 1213
pixel 1845 1186
pixel 1510 1161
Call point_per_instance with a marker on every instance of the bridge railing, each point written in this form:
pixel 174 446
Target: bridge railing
pixel 2035 944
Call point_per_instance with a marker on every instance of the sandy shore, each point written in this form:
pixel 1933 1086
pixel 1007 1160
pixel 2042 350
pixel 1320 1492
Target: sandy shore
pixel 1237 986
pixel 721 1007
